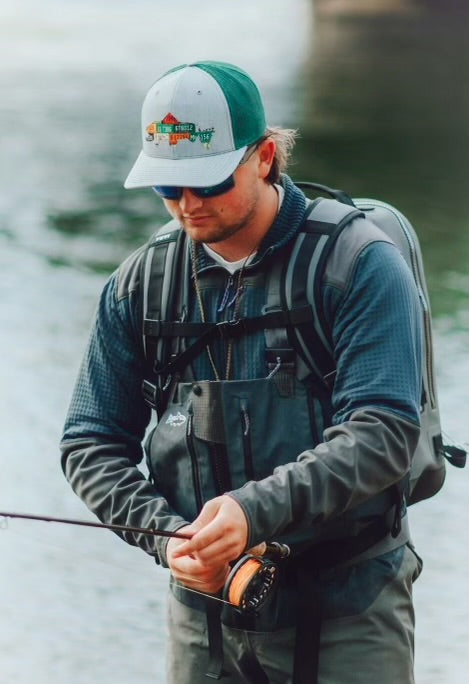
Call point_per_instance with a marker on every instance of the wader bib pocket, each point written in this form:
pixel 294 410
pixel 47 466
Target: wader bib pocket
pixel 216 436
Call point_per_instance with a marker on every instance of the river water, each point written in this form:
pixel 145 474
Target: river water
pixel 382 104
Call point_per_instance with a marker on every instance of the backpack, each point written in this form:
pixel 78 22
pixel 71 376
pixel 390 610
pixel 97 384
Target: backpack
pixel 292 317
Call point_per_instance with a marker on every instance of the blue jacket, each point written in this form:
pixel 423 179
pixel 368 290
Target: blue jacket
pixel 363 448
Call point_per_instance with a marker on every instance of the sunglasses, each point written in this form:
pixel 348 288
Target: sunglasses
pixel 174 192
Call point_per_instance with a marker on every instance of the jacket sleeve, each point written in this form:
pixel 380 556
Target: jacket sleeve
pixel 375 324
pixel 106 422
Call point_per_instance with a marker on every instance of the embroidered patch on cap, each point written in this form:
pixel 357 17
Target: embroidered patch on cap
pixel 174 131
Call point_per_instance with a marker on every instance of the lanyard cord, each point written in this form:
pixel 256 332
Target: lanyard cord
pixel 195 267
pixel 236 300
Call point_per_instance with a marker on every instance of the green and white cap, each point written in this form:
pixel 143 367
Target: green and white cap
pixel 197 122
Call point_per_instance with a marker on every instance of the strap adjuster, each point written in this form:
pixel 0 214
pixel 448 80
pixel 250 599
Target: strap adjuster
pixel 150 393
pixel 152 327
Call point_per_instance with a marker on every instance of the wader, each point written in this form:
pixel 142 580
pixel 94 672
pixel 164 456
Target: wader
pixel 214 437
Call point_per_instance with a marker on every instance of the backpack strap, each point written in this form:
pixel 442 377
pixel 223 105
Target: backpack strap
pixel 164 309
pixel 162 298
pixel 233 329
pixel 287 317
pixel 298 284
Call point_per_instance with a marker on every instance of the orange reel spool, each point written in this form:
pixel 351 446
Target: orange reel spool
pixel 250 582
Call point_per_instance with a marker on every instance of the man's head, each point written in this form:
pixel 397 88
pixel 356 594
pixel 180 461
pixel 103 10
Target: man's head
pixel 198 121
pixel 208 153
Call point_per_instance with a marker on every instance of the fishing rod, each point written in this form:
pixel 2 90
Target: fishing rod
pixel 249 583
pixel 89 523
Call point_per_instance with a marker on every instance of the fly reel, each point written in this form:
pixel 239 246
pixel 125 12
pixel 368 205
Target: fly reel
pixel 253 578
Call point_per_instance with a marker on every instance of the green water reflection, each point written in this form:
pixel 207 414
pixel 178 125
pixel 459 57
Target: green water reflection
pixel 384 110
pixel 385 113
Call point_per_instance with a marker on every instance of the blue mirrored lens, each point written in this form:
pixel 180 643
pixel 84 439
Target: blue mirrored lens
pixel 174 192
pixel 170 192
pixel 214 190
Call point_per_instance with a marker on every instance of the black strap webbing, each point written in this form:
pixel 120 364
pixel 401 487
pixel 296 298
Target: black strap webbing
pixel 215 640
pixel 308 628
pixel 231 330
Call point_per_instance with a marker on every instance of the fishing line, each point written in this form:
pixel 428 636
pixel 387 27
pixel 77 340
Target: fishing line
pixel 92 559
pixel 71 552
pixel 201 593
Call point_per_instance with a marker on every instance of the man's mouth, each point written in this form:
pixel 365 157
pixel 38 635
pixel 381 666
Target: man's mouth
pixel 195 219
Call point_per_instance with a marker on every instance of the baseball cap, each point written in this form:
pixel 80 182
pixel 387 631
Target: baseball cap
pixel 197 122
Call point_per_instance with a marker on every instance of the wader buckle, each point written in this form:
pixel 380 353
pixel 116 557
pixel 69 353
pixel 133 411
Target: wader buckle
pixel 230 329
pixel 150 393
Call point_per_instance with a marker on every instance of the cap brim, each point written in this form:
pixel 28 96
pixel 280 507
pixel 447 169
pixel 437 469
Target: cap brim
pixel 193 172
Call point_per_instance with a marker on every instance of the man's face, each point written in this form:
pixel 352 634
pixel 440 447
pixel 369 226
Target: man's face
pixel 216 219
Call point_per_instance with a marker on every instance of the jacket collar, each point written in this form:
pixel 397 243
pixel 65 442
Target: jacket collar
pixel 285 227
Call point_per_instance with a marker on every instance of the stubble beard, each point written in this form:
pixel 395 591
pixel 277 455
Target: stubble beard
pixel 224 231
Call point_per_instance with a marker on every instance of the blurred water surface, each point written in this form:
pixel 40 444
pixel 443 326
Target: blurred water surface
pixel 382 104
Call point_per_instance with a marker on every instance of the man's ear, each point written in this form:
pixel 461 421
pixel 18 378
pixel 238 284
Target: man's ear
pixel 266 152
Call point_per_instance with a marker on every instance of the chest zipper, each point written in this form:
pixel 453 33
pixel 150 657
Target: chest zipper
pixel 194 461
pixel 220 468
pixel 247 446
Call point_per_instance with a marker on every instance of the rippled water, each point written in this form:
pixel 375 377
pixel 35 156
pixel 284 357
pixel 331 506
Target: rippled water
pixel 380 113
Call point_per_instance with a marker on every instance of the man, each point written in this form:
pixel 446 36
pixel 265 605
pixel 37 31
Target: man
pixel 245 451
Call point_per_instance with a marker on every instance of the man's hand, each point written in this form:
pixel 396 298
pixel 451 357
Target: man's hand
pixel 219 536
pixel 190 571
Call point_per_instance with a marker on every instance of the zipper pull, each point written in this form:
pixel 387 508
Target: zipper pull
pixel 226 294
pixel 236 296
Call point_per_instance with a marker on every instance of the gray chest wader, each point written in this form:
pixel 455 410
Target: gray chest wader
pixel 214 436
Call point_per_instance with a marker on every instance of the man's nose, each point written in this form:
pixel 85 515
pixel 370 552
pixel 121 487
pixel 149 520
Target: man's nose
pixel 189 201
